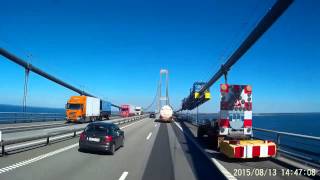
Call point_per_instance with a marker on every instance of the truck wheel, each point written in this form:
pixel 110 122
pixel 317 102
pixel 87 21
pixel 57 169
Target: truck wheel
pixel 215 143
pixel 200 133
pixel 219 139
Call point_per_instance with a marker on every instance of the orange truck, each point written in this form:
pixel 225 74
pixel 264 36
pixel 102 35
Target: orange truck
pixel 83 109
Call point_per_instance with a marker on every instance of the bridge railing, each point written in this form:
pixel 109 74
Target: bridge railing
pixel 49 136
pixel 299 147
pixel 22 117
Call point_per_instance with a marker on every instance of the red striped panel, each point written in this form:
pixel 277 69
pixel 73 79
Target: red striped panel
pixel 255 151
pixel 247 123
pixel 238 152
pixel 272 150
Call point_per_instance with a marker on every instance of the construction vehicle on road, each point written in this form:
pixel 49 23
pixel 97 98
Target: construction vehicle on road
pixel 231 133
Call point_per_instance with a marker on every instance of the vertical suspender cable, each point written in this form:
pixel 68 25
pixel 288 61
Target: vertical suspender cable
pixel 25 90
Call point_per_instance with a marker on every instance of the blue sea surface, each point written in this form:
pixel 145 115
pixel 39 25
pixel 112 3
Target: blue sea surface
pixel 15 108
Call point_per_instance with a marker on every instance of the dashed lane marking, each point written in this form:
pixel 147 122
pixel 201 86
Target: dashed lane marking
pixel 149 135
pixel 124 175
pixel 38 158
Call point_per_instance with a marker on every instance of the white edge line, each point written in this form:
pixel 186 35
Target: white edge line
pixel 222 169
pixel 38 158
pixel 149 135
pixel 124 175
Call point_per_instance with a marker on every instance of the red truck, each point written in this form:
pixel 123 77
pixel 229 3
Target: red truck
pixel 126 110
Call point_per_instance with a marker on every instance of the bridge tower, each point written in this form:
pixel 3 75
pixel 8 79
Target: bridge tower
pixel 163 99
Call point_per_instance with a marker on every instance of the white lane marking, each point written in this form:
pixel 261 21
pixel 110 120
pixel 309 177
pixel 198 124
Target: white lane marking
pixel 124 175
pixel 38 158
pixel 149 135
pixel 179 126
pixel 222 169
pixel 130 124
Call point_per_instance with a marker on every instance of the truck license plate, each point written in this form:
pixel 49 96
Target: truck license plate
pixel 94 139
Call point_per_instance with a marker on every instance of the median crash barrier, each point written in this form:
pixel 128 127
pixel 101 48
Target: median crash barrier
pixel 47 136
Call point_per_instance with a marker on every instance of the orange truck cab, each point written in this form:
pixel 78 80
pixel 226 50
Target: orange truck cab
pixel 82 109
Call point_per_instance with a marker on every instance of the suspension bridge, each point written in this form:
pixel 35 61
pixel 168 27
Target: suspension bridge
pixel 153 150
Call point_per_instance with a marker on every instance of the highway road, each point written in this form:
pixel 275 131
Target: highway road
pixel 153 150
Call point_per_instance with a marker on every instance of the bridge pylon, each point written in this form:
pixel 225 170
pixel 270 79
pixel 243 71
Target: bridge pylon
pixel 163 99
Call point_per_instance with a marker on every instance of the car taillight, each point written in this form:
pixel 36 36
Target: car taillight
pixel 108 139
pixel 82 136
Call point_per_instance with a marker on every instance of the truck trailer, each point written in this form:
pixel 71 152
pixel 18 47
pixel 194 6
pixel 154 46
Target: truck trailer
pixel 105 109
pixel 166 113
pixel 127 110
pixel 231 133
pixel 85 108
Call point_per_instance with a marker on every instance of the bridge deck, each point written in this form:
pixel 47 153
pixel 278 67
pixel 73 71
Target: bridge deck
pixel 152 151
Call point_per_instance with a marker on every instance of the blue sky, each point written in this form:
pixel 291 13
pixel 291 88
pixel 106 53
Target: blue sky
pixel 115 49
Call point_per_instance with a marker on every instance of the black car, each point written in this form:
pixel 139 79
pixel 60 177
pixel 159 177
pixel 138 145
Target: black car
pixel 101 136
pixel 152 115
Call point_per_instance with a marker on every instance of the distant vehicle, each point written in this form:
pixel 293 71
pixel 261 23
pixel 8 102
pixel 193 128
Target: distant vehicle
pixel 166 113
pixel 101 136
pixel 138 110
pixel 152 115
pixel 86 108
pixel 105 109
pixel 127 110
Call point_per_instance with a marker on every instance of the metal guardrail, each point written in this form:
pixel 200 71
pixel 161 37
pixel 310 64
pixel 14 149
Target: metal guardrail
pixel 47 136
pixel 21 117
pixel 299 152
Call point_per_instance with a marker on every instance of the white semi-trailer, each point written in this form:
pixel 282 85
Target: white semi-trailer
pixel 166 113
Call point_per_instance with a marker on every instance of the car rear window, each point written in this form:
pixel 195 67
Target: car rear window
pixel 97 128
